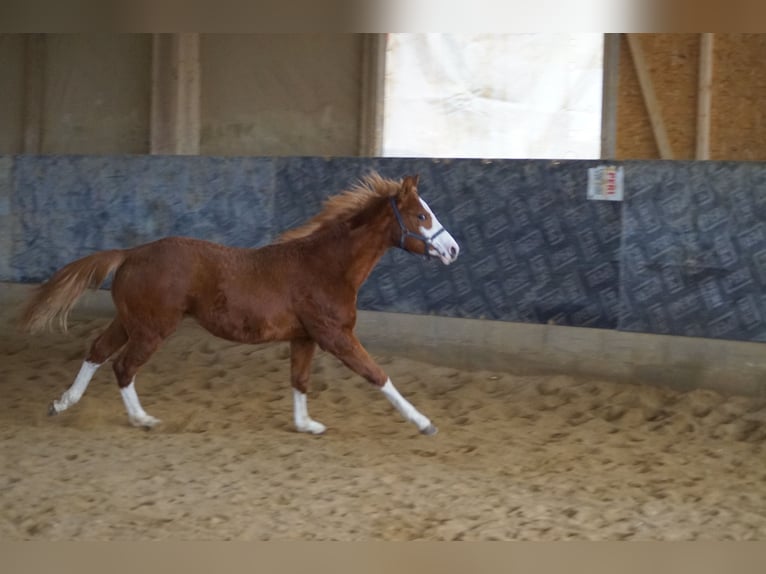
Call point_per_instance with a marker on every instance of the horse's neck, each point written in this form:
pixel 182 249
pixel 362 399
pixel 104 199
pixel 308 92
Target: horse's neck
pixel 366 245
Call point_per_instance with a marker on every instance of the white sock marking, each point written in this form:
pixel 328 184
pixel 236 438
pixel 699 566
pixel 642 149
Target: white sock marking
pixel 404 407
pixel 136 413
pixel 303 421
pixel 74 393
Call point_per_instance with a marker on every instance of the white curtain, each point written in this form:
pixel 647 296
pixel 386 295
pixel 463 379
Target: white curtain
pixel 493 95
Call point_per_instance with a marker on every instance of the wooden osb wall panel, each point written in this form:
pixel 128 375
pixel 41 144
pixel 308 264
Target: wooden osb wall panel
pixel 738 115
pixel 738 122
pixel 672 60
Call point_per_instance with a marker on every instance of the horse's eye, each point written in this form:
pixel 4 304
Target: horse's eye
pixel 422 217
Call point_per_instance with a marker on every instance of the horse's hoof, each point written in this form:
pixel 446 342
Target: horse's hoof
pixel 146 422
pixel 52 412
pixel 312 427
pixel 429 430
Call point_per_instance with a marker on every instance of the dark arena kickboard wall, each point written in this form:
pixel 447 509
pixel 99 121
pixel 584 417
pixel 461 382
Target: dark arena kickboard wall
pixel 683 254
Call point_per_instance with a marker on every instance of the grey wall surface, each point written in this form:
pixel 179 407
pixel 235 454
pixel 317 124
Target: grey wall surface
pixel 97 94
pixel 682 255
pixel 281 94
pixel 261 94
pixel 11 92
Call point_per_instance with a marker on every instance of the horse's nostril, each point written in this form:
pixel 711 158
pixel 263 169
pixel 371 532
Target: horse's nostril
pixel 453 251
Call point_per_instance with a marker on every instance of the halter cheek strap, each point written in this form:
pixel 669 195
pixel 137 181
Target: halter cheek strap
pixel 427 241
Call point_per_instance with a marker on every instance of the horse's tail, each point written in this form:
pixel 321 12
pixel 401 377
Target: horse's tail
pixel 55 298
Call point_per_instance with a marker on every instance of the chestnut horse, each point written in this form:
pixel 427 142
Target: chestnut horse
pixel 302 288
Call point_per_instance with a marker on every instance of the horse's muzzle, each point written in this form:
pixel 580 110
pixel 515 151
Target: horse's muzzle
pixel 443 246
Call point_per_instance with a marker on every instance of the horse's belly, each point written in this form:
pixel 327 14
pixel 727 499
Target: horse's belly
pixel 246 326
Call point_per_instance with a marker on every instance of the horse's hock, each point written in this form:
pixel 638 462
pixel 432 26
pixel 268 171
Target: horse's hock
pixel 678 363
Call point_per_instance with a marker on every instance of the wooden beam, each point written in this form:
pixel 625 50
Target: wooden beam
pixel 372 95
pixel 34 94
pixel 650 99
pixel 175 112
pixel 704 96
pixel 609 96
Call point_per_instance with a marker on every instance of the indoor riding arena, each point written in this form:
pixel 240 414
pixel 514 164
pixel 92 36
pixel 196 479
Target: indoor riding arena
pixel 595 365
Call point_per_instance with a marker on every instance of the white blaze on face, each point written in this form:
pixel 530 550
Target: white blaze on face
pixel 446 248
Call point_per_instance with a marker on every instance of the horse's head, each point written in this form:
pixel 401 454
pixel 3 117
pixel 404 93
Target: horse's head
pixel 419 230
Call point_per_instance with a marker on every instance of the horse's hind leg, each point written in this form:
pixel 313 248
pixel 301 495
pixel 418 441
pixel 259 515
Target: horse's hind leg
pixel 301 353
pixel 141 345
pixel 103 347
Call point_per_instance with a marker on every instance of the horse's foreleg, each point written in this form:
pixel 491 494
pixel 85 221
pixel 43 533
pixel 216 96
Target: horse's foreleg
pixel 301 353
pixel 351 352
pixel 106 344
pixel 406 409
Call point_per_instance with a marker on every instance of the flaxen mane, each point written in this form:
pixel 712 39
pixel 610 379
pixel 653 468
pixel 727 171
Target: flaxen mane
pixel 345 204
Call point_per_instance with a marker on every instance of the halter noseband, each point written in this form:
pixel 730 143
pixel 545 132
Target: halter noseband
pixel 427 241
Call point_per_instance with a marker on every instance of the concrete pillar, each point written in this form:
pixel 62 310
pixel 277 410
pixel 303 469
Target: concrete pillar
pixel 372 94
pixel 34 93
pixel 175 114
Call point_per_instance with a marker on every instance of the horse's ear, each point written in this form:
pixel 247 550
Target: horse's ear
pixel 409 183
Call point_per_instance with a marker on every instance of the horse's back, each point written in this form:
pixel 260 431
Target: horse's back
pixel 169 272
pixel 238 294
